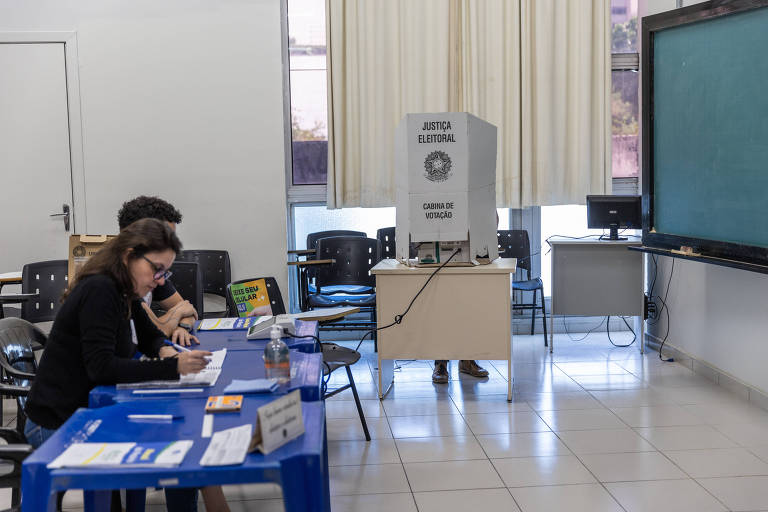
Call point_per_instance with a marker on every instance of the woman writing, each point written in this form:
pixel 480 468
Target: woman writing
pixel 100 327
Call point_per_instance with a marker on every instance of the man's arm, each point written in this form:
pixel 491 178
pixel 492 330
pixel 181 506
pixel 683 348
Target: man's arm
pixel 176 323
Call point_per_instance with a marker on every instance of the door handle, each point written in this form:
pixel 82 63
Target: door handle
pixel 64 215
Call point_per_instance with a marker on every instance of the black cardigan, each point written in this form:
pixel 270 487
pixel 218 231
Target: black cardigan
pixel 90 345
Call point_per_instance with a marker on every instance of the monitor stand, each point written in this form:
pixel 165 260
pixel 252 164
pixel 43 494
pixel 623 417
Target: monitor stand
pixel 614 234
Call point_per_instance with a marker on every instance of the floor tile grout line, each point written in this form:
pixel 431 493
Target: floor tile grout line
pixel 399 456
pixel 488 458
pixel 588 392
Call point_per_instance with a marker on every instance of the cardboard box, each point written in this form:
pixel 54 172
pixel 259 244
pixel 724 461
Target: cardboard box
pixel 82 247
pixel 445 177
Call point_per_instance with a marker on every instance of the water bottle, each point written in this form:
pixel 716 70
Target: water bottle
pixel 277 357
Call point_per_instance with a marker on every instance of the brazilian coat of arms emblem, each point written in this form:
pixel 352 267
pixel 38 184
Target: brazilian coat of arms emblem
pixel 437 166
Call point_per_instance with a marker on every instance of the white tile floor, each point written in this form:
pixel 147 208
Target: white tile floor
pixel 591 428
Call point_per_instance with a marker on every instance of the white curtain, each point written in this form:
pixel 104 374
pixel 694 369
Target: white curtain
pixel 385 59
pixel 565 94
pixel 537 69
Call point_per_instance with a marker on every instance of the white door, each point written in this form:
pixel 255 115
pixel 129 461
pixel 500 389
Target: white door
pixel 35 170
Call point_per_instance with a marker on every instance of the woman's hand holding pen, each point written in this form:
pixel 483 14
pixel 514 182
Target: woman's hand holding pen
pixel 192 361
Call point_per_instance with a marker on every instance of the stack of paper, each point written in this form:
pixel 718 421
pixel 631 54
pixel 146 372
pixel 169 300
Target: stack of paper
pixel 205 378
pixel 111 455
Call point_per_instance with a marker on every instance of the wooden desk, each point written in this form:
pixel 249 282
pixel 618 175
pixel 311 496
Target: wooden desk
pixel 597 278
pixel 464 313
pixel 10 278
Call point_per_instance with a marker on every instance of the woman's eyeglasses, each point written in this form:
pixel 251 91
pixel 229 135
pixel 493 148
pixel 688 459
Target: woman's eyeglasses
pixel 160 273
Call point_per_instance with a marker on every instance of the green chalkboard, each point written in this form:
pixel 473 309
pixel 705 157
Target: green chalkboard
pixel 710 129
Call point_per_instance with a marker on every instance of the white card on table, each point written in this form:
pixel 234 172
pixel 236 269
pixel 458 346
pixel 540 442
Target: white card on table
pixel 277 423
pixel 227 447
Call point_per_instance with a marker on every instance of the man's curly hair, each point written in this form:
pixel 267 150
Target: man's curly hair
pixel 144 207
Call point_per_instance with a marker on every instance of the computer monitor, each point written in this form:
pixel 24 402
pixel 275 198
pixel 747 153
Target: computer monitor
pixel 614 213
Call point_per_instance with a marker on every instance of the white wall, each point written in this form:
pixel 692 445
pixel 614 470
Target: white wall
pixel 718 315
pixel 181 99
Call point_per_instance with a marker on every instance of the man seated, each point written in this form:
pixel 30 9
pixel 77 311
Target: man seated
pixel 180 315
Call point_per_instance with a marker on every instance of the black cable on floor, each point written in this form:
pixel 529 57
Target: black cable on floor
pixel 399 318
pixel 608 331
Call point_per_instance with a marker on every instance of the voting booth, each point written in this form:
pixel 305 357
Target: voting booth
pixel 445 173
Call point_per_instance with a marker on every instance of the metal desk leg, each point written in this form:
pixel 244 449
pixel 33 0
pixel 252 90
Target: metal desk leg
pixel 386 376
pixel 551 331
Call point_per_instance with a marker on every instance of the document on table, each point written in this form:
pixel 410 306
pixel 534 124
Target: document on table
pixel 112 455
pixel 228 324
pixel 205 378
pixel 227 447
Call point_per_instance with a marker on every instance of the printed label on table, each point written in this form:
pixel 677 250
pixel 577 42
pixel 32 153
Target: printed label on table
pixel 277 423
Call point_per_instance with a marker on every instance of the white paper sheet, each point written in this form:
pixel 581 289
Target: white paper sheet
pixel 227 447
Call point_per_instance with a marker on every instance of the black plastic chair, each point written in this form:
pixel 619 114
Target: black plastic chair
pixel 514 243
pixel 350 260
pixel 334 356
pixel 187 279
pixel 19 340
pixel 273 293
pixel 306 274
pixel 386 237
pixel 48 279
pixel 216 273
pixel 14 454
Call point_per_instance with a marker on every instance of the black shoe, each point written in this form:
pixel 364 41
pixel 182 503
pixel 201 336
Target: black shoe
pixel 470 367
pixel 440 375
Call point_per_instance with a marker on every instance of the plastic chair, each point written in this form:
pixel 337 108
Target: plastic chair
pixel 334 356
pixel 273 294
pixel 215 270
pixel 19 340
pixel 306 276
pixel 187 279
pixel 349 262
pixel 514 243
pixel 48 279
pixel 386 236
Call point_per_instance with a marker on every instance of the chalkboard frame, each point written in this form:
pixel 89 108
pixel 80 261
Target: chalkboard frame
pixel 713 251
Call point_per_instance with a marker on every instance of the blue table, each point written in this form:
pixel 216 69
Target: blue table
pixel 236 339
pixel 300 467
pixel 306 375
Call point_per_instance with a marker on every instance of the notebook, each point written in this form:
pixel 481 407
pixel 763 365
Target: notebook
pixel 205 378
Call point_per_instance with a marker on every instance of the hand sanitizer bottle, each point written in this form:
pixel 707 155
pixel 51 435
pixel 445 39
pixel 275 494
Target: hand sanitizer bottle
pixel 276 357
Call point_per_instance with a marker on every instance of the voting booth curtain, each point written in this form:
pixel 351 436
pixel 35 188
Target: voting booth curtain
pixel 537 69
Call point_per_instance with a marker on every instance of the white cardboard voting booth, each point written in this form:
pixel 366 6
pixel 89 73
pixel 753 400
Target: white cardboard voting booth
pixel 445 173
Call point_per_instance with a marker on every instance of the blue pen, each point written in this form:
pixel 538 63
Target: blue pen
pixel 164 417
pixel 176 346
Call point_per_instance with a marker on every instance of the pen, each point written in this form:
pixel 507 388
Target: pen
pixel 154 417
pixel 176 346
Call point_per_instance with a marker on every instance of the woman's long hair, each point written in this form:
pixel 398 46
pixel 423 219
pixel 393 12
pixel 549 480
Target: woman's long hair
pixel 137 239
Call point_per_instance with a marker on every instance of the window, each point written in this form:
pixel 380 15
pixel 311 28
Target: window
pixel 311 219
pixel 624 95
pixel 309 116
pixel 306 61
